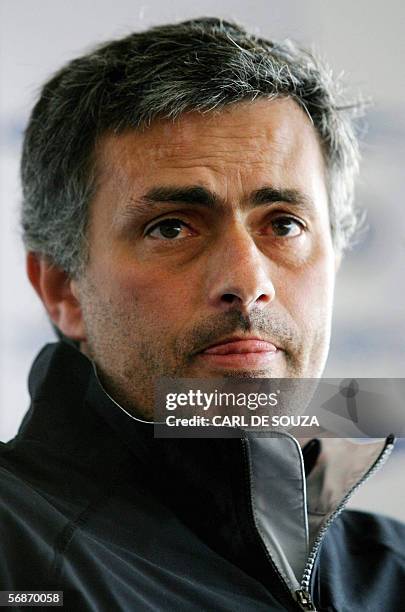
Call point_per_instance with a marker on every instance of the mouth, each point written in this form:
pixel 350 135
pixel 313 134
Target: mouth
pixel 241 353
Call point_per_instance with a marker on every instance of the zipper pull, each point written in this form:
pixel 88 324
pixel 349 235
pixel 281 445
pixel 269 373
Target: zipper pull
pixel 304 600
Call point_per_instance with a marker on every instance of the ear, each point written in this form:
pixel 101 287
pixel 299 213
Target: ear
pixel 59 295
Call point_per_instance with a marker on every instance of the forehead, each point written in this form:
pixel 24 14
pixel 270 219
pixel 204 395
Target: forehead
pixel 245 140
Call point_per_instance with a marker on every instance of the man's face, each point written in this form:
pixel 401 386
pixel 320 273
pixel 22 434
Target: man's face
pixel 210 251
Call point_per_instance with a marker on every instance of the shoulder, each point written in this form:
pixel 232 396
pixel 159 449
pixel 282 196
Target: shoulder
pixel 27 530
pixel 375 531
pixel 38 479
pixel 365 548
pixel 362 562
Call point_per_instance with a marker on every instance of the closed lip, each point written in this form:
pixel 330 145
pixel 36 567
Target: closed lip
pixel 240 345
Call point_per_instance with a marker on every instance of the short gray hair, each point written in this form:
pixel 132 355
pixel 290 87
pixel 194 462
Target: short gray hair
pixel 198 65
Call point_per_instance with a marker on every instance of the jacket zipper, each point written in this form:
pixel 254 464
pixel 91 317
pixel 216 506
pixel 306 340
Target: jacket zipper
pixel 303 599
pixel 302 595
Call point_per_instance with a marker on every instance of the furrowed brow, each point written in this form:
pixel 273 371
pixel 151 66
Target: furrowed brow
pixel 139 206
pixel 201 196
pixel 183 195
pixel 269 195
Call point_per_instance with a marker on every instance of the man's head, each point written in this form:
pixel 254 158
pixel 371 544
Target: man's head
pixel 184 187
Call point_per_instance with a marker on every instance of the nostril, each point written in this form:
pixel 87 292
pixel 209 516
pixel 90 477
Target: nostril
pixel 229 298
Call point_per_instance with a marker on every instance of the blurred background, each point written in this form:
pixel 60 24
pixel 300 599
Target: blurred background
pixel 364 40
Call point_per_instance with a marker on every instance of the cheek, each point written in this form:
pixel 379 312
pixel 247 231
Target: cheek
pixel 307 294
pixel 149 294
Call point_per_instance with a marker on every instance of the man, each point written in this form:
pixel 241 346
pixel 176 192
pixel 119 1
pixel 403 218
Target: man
pixel 187 199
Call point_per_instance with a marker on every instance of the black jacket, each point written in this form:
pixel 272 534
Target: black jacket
pixel 92 504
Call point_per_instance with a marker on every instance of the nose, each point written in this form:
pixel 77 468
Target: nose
pixel 239 273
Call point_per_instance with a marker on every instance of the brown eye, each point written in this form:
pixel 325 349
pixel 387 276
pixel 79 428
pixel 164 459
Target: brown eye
pixel 168 229
pixel 287 227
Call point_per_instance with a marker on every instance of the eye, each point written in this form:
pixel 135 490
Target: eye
pixel 169 229
pixel 287 227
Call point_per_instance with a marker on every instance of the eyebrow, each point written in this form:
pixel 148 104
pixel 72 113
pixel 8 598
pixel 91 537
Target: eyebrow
pixel 203 197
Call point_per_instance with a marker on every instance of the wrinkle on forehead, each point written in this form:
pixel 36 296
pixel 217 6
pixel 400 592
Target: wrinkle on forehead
pixel 229 135
pixel 232 152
